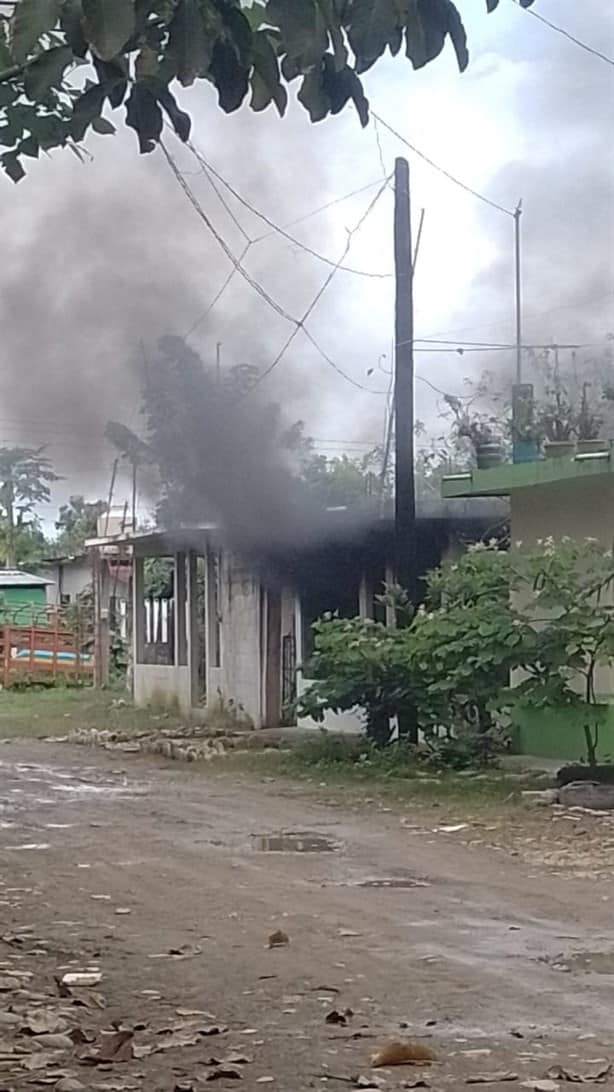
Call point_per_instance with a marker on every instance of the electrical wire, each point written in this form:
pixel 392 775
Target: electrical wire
pixel 218 295
pixel 323 208
pixel 442 170
pixel 300 324
pixel 210 170
pixel 257 287
pixel 566 34
pixel 531 315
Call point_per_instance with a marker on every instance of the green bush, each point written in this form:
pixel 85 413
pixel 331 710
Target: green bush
pixel 548 611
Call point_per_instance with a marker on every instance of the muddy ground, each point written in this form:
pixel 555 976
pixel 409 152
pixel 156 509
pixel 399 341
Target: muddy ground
pixel 497 963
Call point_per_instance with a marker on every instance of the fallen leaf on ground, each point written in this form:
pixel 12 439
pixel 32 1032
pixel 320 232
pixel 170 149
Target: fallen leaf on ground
pixel 42 1022
pixel 69 1084
pixel 278 939
pixel 224 1073
pixel 416 1082
pixel 540 1086
pixel 265 1080
pixel 348 933
pixel 451 829
pixel 123 910
pixel 172 1041
pixel 492 1078
pixel 55 1041
pixel 599 1076
pixel 117 1047
pixel 397 1053
pixel 335 1017
pixel 368 1082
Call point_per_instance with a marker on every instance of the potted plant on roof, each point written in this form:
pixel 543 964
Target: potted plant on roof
pixel 556 421
pixel 588 424
pixel 484 436
pixel 526 435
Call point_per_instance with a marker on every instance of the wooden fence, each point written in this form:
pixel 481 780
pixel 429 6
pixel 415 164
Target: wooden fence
pixel 42 651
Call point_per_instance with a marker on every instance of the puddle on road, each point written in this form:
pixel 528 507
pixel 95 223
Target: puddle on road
pixel 294 841
pixel 590 962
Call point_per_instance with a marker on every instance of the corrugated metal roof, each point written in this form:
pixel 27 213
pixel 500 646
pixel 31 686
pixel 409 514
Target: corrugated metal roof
pixel 15 578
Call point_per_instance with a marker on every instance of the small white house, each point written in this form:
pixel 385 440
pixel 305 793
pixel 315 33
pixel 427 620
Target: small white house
pixel 69 576
pixel 239 630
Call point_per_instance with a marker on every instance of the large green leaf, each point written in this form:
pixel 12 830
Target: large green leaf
pixel 429 22
pixel 265 79
pixel 103 126
pixel 143 114
pixel 12 166
pixel 303 30
pixel 326 91
pixel 46 72
pixel 191 41
pixel 146 63
pixel 181 121
pixel 229 76
pixel 113 75
pixel 373 25
pixel 31 19
pixel 108 25
pixel 71 21
pixel 87 107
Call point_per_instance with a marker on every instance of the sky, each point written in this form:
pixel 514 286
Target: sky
pixel 100 259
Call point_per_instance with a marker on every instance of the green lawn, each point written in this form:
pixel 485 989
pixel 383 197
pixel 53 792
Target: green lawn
pixel 56 711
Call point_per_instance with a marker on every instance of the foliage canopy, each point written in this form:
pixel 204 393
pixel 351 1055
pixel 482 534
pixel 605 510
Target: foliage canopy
pixel 137 50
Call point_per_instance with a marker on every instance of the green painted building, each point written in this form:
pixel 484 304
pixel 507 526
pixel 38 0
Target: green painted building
pixel 23 597
pixel 571 496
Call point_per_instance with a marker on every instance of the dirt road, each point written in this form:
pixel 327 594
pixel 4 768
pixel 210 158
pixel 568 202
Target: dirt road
pixel 418 936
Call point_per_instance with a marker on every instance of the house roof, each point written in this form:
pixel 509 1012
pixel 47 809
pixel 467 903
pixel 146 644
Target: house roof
pixel 158 542
pixel 15 578
pixel 64 559
pixel 500 481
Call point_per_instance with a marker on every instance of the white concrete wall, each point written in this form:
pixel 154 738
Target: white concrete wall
pixel 580 509
pixel 69 578
pixel 240 676
pixel 155 684
pixel 577 510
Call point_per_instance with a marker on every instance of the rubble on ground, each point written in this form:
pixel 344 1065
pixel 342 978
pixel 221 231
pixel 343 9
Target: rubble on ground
pixel 193 744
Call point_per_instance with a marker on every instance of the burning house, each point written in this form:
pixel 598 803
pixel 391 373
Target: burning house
pixel 237 628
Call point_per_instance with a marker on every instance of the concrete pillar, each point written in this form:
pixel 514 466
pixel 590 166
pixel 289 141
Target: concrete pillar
pixel 138 609
pixel 181 645
pixel 192 627
pixel 365 598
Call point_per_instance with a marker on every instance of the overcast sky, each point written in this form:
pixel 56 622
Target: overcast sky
pixel 100 259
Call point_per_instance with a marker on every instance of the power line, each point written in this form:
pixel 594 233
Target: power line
pixel 299 324
pixel 566 34
pixel 218 295
pixel 209 170
pixel 323 208
pixel 257 287
pixel 442 170
pixel 531 315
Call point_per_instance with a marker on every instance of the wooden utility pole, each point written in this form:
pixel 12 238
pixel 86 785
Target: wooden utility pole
pixel 404 492
pixel 405 498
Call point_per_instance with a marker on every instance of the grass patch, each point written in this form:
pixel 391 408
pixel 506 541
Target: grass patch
pixel 351 765
pixel 58 710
